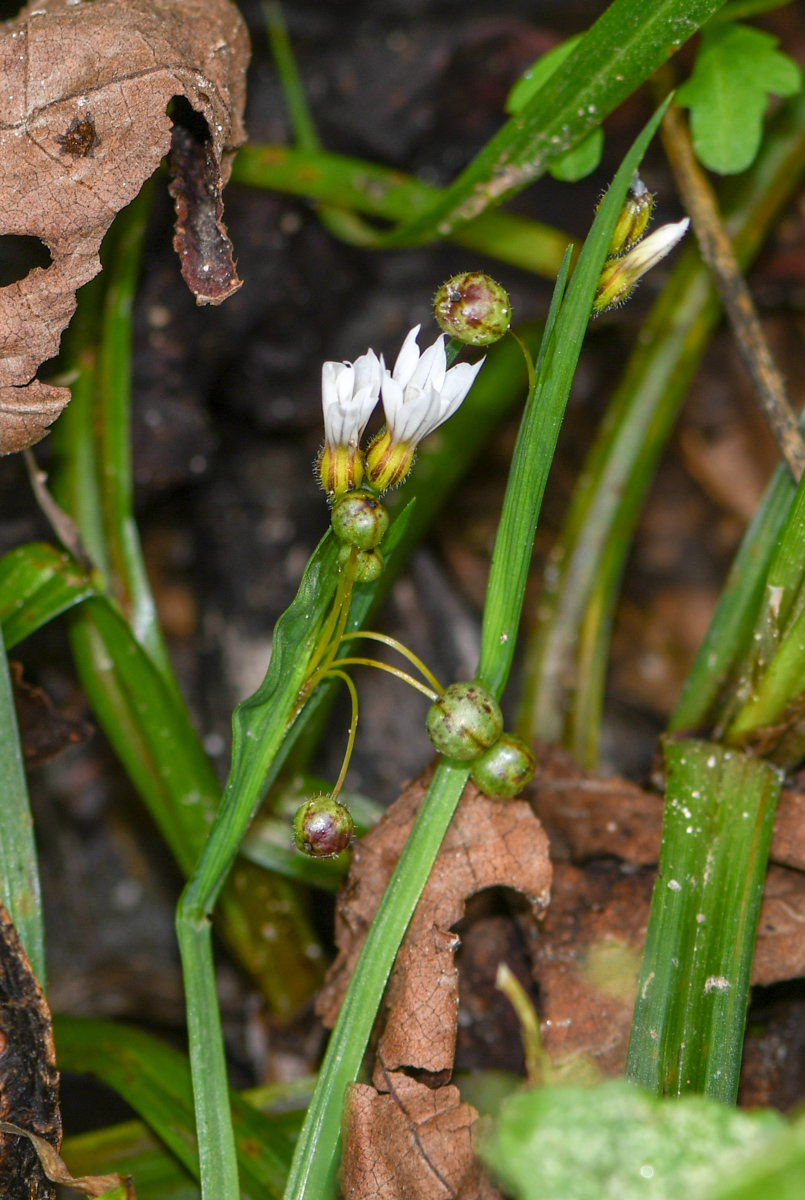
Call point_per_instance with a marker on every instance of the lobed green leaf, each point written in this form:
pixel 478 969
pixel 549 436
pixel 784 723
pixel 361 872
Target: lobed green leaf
pixel 727 94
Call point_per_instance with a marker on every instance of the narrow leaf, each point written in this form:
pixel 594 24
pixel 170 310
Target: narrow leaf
pixel 37 583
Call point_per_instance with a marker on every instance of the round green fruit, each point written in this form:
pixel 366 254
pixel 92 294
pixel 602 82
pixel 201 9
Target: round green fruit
pixel 322 827
pixel 505 768
pixel 465 721
pixel 368 563
pixel 473 308
pixel 359 519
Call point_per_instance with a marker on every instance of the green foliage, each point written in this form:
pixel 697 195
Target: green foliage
pixel 614 1140
pixel 37 583
pixel 584 157
pixel 688 1024
pixel 736 68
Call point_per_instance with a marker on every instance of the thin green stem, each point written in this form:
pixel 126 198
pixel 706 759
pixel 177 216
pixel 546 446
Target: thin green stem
pixel 353 729
pixel 401 649
pixel 381 666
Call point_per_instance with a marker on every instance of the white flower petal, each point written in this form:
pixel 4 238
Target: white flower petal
pixel 408 357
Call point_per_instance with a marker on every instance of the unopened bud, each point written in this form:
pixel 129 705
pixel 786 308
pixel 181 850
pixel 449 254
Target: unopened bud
pixel 633 218
pixel 322 827
pixel 464 721
pixel 368 563
pixel 473 308
pixel 340 469
pixel 621 274
pixel 388 462
pixel 359 519
pixel 505 768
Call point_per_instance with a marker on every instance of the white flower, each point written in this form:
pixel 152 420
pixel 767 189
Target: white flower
pixel 420 393
pixel 349 394
pixel 621 274
pixel 651 250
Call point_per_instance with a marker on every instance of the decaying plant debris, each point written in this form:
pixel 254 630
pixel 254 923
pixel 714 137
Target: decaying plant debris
pixel 412 1135
pixel 84 93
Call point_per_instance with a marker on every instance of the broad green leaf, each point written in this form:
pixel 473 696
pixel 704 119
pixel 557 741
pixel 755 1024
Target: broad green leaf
pixel 155 1080
pixel 624 46
pixel 736 68
pixel 584 157
pixel 538 74
pixel 690 1011
pixel 615 1141
pixel 37 583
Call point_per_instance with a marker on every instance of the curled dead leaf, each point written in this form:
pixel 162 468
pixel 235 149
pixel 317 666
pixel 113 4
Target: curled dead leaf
pixel 29 1081
pixel 84 93
pixel 411 1136
pixel 44 731
pixel 54 1167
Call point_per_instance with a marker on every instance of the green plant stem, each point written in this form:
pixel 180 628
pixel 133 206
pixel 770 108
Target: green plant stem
pixel 389 195
pixel 19 871
pixel 566 660
pixel 688 1025
pixel 315 1163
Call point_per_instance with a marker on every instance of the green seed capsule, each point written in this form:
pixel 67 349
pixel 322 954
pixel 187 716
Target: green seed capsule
pixel 359 519
pixel 505 768
pixel 368 564
pixel 473 308
pixel 464 721
pixel 322 827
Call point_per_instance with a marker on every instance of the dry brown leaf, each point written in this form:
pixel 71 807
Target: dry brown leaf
pixel 587 817
pixel 407 1139
pixel 29 1081
pixel 44 731
pixel 84 89
pixel 413 1143
pixel 54 1167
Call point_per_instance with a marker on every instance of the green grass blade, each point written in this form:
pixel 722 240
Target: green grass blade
pixel 568 650
pixel 377 191
pixel 37 583
pixel 540 429
pixel 155 1080
pixel 688 1024
pixel 313 1173
pixel 625 45
pixel 315 1163
pixel 19 871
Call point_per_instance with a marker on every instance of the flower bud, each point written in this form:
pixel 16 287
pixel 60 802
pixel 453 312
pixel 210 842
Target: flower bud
pixel 464 721
pixel 322 827
pixel 368 563
pixel 340 468
pixel 505 768
pixel 633 218
pixel 359 519
pixel 473 308
pixel 621 274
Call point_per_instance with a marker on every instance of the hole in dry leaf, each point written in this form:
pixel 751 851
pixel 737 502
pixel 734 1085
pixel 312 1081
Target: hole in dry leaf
pixel 21 253
pixel 182 113
pixel 10 8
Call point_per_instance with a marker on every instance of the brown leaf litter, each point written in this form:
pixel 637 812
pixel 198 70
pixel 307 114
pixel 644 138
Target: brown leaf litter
pixel 605 840
pixel 44 731
pixel 84 89
pixel 30 1120
pixel 409 1135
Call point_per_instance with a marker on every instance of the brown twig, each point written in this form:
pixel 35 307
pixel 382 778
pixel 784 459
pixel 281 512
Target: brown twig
pixel 61 522
pixel 717 252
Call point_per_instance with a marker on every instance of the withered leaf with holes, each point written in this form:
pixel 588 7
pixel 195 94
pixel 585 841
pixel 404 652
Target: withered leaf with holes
pixel 409 1136
pixel 84 93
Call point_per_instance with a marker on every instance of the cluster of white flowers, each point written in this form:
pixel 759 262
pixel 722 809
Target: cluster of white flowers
pixel 418 395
